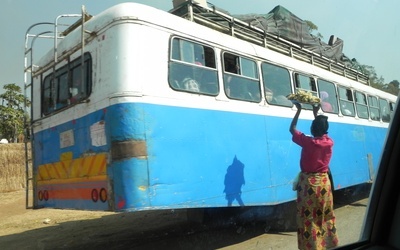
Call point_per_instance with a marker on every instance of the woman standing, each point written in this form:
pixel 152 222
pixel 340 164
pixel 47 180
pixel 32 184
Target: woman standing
pixel 315 216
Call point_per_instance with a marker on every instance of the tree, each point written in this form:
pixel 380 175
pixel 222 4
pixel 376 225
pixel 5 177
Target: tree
pixel 375 81
pixel 379 82
pixel 373 76
pixel 392 87
pixel 312 27
pixel 395 83
pixel 12 114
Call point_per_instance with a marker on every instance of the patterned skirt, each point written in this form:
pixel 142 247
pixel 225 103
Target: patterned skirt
pixel 316 227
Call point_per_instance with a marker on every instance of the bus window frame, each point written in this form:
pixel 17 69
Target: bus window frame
pixel 194 71
pixel 55 103
pixel 332 97
pixel 385 116
pixel 346 101
pixel 361 107
pixel 233 75
pixel 372 115
pixel 311 86
pixel 272 92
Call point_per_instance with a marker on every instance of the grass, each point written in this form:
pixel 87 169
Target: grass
pixel 12 167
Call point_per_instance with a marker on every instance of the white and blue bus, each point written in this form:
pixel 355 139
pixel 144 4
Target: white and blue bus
pixel 137 108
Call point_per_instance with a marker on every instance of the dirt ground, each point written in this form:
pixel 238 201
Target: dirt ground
pixel 22 228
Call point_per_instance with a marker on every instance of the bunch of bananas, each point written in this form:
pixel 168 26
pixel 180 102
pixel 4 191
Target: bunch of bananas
pixel 304 97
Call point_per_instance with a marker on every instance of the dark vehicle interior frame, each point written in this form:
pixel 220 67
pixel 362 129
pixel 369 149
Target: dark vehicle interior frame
pixel 382 222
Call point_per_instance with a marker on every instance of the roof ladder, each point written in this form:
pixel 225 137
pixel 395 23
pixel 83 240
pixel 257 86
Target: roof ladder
pixel 29 68
pixel 51 32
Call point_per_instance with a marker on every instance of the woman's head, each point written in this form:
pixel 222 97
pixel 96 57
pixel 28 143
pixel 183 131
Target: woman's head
pixel 320 125
pixel 323 95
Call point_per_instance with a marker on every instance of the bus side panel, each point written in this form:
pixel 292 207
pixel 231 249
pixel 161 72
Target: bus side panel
pixel 204 158
pixel 352 145
pixel 210 158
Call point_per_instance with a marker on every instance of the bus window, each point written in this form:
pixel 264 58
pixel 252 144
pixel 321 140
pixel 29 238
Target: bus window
pixel 47 100
pixel 346 101
pixel 63 90
pixel 361 105
pixel 77 90
pixel 192 68
pixel 373 108
pixel 248 68
pixel 306 83
pixel 241 80
pixel 59 89
pixel 385 110
pixel 327 94
pixel 277 86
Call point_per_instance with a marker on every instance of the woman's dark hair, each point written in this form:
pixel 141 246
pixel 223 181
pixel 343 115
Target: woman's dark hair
pixel 320 125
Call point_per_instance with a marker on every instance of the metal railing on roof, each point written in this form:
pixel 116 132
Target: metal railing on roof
pixel 223 22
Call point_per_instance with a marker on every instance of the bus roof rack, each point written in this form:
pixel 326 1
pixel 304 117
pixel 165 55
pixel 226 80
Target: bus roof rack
pixel 222 21
pixel 77 24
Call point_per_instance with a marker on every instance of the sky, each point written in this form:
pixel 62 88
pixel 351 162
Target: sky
pixel 370 29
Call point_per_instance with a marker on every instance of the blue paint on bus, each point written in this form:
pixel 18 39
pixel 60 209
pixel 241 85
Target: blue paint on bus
pixel 209 158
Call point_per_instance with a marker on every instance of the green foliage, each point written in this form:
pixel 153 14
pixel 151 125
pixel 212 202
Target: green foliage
pixel 379 82
pixel 12 114
pixel 312 27
pixel 375 81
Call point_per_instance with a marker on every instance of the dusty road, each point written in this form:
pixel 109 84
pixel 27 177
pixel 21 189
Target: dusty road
pixel 168 229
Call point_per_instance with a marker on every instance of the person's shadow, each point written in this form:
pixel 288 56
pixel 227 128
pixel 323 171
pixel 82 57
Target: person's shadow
pixel 234 180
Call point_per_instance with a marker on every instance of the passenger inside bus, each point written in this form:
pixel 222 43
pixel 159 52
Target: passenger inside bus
pixel 74 91
pixel 180 77
pixel 325 105
pixel 190 84
pixel 276 85
pixel 232 67
pixel 276 97
pixel 346 109
pixel 268 95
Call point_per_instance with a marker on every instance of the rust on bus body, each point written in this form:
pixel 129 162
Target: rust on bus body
pixel 128 149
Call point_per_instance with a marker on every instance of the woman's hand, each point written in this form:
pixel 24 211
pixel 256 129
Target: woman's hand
pixel 315 108
pixel 293 124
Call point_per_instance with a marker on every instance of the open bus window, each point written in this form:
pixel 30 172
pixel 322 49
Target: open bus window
pixel 373 108
pixel 241 80
pixel 65 87
pixel 327 94
pixel 192 68
pixel 385 110
pixel 361 105
pixel 346 101
pixel 305 83
pixel 277 85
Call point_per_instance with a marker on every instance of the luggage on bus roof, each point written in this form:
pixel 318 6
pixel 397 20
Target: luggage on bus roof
pixel 283 23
